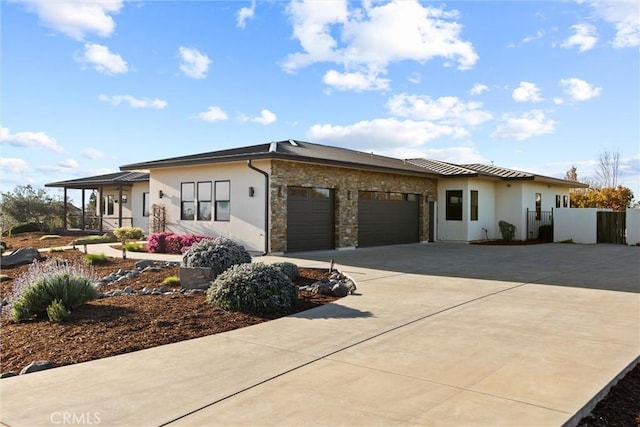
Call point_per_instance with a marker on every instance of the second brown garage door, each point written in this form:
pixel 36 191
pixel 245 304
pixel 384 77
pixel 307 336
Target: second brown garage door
pixel 310 219
pixel 387 218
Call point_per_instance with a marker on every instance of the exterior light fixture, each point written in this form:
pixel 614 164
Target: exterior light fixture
pixel 160 194
pixel 252 191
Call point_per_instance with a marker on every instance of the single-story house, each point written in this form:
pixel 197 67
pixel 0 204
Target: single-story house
pixel 292 196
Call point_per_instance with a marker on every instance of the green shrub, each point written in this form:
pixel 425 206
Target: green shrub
pixel 54 250
pixel 128 233
pixel 95 258
pixel 253 288
pixel 90 240
pixel 57 312
pixel 288 268
pixel 171 281
pixel 37 289
pixel 218 254
pixel 23 227
pixel 134 247
pixel 507 230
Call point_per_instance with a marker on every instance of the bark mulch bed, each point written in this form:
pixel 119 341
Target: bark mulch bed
pixel 117 325
pixel 121 324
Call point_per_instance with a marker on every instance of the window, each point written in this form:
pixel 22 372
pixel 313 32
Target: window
pixel 145 204
pixel 538 206
pixel 223 204
pixel 474 205
pixel 565 201
pixel 187 201
pixel 125 198
pixel 558 200
pixel 454 205
pixel 204 201
pixel 109 200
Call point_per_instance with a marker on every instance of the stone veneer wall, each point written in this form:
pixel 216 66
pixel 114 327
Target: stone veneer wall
pixel 346 183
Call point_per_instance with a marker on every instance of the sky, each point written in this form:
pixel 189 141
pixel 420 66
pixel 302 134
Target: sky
pixel 88 86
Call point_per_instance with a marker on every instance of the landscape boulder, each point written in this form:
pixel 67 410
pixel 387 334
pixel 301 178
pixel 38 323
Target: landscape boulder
pixel 19 257
pixel 37 365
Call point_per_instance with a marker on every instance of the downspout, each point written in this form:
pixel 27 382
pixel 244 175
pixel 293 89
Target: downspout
pixel 266 205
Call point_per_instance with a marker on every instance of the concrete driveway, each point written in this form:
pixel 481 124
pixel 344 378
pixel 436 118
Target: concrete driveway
pixel 437 334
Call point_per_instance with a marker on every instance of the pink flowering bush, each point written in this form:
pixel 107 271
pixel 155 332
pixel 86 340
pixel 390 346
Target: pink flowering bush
pixel 171 243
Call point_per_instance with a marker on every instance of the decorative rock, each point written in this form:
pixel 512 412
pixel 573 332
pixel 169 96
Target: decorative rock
pixel 163 289
pixel 339 290
pixel 8 374
pixel 20 256
pixel 144 263
pixel 38 365
pixel 4 278
pixel 128 290
pixel 196 277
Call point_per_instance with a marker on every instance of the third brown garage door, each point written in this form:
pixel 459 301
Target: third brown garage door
pixel 387 218
pixel 310 219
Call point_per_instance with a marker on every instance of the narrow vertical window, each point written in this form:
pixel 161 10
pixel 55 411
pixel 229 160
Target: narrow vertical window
pixel 109 204
pixel 223 200
pixel 538 206
pixel 454 205
pixel 474 205
pixel 187 201
pixel 146 206
pixel 204 201
pixel 565 201
pixel 558 200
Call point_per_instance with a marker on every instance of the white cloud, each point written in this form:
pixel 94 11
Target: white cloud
pixel 194 63
pixel 266 118
pixel 579 90
pixel 68 164
pixel 94 153
pixel 446 109
pixel 31 140
pixel 355 81
pixel 365 40
pixel 585 37
pixel 13 166
pixel 624 15
pixel 246 13
pixel 102 59
pixel 381 134
pixel 76 19
pixel 528 39
pixel 133 101
pixel 478 88
pixel 527 125
pixel 527 92
pixel 213 114
pixel 415 78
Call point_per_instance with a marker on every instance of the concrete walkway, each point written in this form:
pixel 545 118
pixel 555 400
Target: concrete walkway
pixel 437 334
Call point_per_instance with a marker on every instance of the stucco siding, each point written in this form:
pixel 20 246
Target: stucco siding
pixel 453 230
pixel 509 207
pixel 485 226
pixel 246 224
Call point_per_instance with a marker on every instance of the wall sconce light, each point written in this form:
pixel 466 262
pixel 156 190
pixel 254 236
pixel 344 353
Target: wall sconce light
pixel 252 191
pixel 160 194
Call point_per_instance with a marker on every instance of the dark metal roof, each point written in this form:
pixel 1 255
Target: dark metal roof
pixel 293 150
pixel 499 172
pixel 443 168
pixel 117 178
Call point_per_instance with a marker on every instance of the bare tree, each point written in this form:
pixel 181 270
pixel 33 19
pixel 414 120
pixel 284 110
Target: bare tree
pixel 572 174
pixel 607 172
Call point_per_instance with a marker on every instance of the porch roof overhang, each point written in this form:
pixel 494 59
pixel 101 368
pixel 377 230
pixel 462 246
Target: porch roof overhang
pixel 124 179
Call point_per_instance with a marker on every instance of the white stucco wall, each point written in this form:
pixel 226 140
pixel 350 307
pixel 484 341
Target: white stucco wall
pixel 486 210
pixel 580 225
pixel 633 226
pixel 135 204
pixel 509 207
pixel 452 230
pixel 246 225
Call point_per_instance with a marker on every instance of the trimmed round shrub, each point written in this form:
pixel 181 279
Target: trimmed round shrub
pixel 288 268
pixel 219 255
pixel 253 288
pixel 128 233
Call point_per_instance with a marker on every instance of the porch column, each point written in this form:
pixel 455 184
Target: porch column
pixel 100 207
pixel 120 206
pixel 64 210
pixel 82 225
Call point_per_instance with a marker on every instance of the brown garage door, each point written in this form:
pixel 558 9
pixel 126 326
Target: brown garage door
pixel 387 218
pixel 310 219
